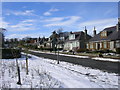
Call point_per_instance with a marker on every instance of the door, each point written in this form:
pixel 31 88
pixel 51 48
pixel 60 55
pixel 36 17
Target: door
pixel 98 46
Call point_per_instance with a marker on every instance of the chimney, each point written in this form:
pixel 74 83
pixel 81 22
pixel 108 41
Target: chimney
pixel 117 28
pixel 71 32
pixel 94 32
pixel 118 25
pixel 85 33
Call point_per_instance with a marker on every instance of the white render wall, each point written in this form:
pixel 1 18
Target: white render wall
pixel 71 45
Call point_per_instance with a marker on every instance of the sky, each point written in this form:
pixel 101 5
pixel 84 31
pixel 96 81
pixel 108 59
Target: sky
pixel 34 19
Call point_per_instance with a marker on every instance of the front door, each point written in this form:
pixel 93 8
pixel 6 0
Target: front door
pixel 98 46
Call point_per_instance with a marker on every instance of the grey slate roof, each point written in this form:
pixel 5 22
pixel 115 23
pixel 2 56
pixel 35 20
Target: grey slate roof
pixel 79 36
pixel 114 35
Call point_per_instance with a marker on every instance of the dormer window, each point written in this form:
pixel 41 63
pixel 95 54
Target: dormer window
pixel 71 36
pixel 103 34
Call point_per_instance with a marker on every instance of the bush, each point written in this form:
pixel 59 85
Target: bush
pixel 118 50
pixel 81 50
pixel 100 55
pixel 11 53
pixel 47 49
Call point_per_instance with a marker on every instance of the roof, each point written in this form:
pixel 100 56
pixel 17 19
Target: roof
pixel 79 36
pixel 113 34
pixel 63 34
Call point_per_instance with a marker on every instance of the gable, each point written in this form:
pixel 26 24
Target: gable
pixel 106 34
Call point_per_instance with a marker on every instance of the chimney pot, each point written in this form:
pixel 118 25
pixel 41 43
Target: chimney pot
pixel 94 31
pixel 85 33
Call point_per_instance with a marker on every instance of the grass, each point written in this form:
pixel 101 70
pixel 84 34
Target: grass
pixel 82 54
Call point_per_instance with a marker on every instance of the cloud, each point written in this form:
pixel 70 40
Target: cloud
pixel 29 21
pixel 99 24
pixel 49 12
pixel 96 22
pixel 110 11
pixel 26 25
pixel 22 13
pixel 20 36
pixel 54 19
pixel 3 24
pixel 54 10
pixel 70 20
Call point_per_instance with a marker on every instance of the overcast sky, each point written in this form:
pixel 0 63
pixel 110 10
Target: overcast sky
pixel 36 19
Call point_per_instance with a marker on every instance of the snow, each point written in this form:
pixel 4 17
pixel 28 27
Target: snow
pixel 106 59
pixel 46 73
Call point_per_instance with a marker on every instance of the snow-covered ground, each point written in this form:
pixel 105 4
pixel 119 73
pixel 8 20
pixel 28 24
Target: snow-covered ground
pixel 47 73
pixel 106 59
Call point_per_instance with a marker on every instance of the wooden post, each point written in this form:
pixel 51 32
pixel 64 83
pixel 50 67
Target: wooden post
pixel 27 61
pixel 19 78
pixel 58 56
pixel 26 64
pixel 18 68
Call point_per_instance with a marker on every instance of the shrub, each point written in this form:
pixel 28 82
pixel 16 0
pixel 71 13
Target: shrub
pixel 11 53
pixel 118 50
pixel 81 50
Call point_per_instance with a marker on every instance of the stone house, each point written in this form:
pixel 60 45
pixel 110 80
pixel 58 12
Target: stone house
pixel 108 39
pixel 61 39
pixel 76 40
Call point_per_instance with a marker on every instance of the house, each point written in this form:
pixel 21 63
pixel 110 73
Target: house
pixel 43 43
pixel 76 40
pixel 57 40
pixel 1 40
pixel 61 39
pixel 54 40
pixel 108 39
pixel 2 37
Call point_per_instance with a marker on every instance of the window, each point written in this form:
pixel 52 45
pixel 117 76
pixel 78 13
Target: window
pixel 96 45
pixel 111 45
pixel 71 36
pixel 117 44
pixel 103 34
pixel 91 45
pixel 101 45
pixel 73 44
pixel 61 38
pixel 77 44
pixel 105 44
pixel 87 46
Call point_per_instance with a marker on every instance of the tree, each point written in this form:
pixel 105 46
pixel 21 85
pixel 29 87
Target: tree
pixel 2 30
pixel 59 30
pixel 54 40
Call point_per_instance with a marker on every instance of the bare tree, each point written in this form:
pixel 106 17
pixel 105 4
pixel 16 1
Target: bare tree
pixel 59 30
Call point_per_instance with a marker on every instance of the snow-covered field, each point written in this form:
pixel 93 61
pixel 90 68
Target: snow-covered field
pixel 107 59
pixel 46 73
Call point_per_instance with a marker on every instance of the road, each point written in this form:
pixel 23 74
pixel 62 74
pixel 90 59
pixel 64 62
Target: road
pixel 108 66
